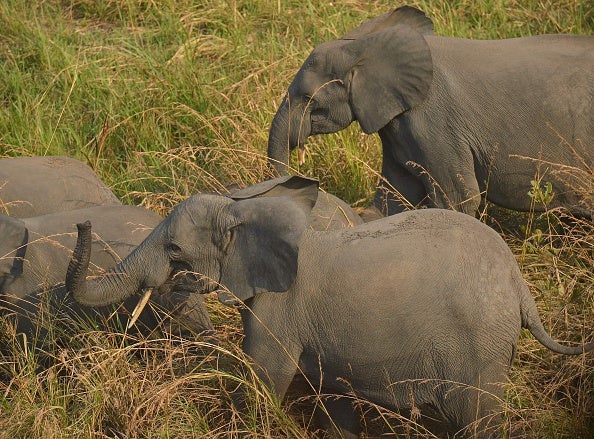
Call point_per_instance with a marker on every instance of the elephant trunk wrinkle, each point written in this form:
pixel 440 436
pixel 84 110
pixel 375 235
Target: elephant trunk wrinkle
pixel 78 266
pixel 290 128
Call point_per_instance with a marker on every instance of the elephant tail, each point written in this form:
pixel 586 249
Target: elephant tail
pixel 531 321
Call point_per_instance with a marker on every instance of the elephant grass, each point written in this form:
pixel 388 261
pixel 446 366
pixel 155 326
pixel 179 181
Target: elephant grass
pixel 167 98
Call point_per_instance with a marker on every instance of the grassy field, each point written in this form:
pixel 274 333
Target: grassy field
pixel 165 98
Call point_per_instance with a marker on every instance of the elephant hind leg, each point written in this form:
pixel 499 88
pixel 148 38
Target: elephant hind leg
pixel 475 412
pixel 339 416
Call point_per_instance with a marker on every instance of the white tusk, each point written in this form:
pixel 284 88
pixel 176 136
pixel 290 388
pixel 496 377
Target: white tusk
pixel 140 306
pixel 301 155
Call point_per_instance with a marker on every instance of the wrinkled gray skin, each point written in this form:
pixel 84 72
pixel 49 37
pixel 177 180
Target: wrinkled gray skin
pixel 399 306
pixel 34 255
pixel 33 186
pixel 451 113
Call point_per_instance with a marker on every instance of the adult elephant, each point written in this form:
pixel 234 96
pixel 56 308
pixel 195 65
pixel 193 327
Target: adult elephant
pixel 398 310
pixel 34 255
pixel 457 117
pixel 33 186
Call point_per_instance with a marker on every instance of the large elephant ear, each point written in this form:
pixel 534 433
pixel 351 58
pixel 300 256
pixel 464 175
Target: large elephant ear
pixel 302 190
pixel 13 245
pixel 404 15
pixel 262 245
pixel 392 72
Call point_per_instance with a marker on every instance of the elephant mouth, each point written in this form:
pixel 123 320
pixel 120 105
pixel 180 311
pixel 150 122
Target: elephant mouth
pixel 181 280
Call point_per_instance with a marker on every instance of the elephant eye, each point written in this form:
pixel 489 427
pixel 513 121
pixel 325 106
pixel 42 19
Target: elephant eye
pixel 173 249
pixel 229 238
pixel 318 114
pixel 311 103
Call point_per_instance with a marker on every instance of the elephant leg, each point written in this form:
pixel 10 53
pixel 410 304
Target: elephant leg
pixel 272 367
pixel 475 410
pixel 194 315
pixel 453 185
pixel 399 189
pixel 275 356
pixel 480 416
pixel 339 417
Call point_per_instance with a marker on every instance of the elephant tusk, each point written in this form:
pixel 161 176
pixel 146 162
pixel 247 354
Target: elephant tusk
pixel 140 306
pixel 301 155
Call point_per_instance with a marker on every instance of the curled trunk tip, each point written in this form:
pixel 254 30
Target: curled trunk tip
pixel 77 268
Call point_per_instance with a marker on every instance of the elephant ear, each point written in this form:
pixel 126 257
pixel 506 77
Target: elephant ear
pixel 391 73
pixel 302 190
pixel 404 15
pixel 13 245
pixel 262 245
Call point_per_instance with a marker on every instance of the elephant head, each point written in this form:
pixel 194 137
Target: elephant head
pixel 248 245
pixel 374 73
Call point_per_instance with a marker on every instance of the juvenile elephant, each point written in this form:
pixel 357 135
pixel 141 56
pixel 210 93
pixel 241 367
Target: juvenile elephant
pixel 457 118
pixel 33 186
pixel 34 255
pixel 422 307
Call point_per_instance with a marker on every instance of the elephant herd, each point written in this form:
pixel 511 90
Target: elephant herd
pixel 420 307
pixel 42 198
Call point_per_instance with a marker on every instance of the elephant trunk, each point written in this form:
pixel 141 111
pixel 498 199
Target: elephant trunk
pixel 286 133
pixel 119 283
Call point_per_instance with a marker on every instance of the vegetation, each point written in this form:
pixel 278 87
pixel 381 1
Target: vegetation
pixel 165 98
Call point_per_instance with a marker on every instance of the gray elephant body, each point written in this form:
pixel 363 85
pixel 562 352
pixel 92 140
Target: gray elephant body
pixel 401 307
pixel 34 186
pixel 492 130
pixel 457 118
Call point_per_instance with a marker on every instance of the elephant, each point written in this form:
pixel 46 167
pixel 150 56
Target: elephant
pixel 34 255
pixel 34 186
pixel 425 306
pixel 457 118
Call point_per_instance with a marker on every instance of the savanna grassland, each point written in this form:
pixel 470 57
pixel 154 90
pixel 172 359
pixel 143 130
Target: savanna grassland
pixel 165 98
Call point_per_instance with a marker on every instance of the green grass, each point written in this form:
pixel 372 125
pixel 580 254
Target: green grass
pixel 167 98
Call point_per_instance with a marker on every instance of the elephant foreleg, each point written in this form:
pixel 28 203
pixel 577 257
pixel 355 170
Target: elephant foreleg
pixel 398 189
pixel 451 181
pixel 276 359
pixel 458 192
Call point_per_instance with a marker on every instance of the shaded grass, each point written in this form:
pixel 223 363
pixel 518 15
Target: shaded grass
pixel 167 98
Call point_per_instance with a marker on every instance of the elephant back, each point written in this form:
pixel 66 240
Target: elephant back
pixel 331 213
pixel 117 230
pixel 32 186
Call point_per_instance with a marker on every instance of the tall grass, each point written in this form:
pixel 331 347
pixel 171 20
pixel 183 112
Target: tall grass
pixel 165 98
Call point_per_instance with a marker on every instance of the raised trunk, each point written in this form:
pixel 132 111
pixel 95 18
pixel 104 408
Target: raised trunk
pixel 138 270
